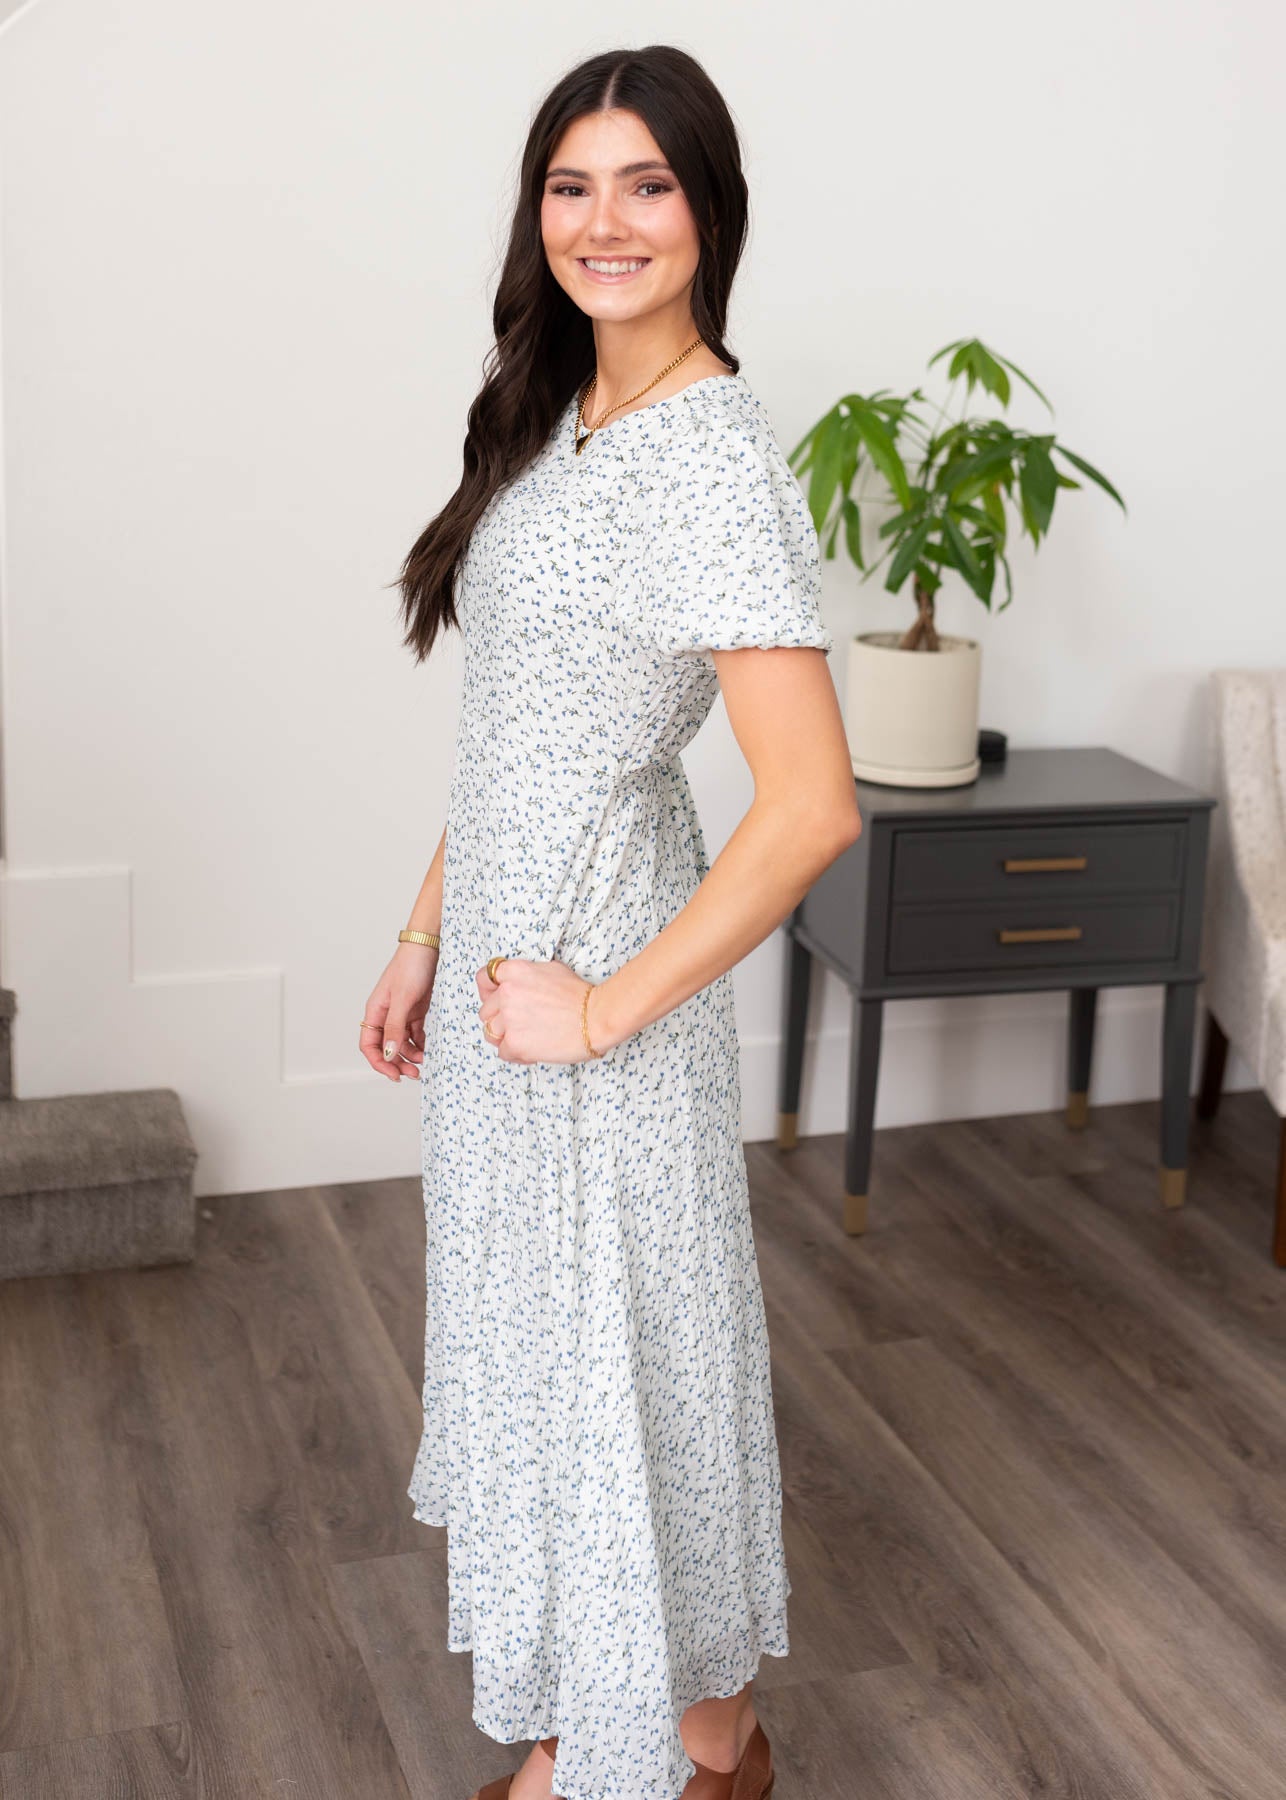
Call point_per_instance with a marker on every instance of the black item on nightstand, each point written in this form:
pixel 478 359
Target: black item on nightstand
pixel 1075 869
pixel 992 746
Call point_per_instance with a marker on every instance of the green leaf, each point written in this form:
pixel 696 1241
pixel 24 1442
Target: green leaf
pixel 884 453
pixel 945 351
pixel 849 460
pixel 967 473
pixel 907 555
pixel 1088 469
pixel 1027 378
pixel 955 438
pixel 977 516
pixel 853 530
pixel 1031 525
pixel 966 561
pixel 991 375
pixel 1039 485
pixel 831 434
pixel 902 521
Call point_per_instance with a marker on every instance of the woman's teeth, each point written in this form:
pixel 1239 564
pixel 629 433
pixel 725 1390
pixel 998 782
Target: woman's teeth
pixel 598 267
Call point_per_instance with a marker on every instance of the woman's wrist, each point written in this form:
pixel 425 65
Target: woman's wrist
pixel 608 1026
pixel 406 947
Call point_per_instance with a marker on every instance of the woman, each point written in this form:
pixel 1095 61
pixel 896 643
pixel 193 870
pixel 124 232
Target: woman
pixel 627 538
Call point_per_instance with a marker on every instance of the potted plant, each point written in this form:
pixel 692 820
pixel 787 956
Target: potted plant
pixel 911 705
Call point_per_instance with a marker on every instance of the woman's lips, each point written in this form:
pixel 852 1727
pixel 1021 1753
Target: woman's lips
pixel 607 280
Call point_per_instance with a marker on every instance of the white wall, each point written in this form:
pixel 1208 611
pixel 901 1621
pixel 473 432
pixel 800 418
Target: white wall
pixel 248 257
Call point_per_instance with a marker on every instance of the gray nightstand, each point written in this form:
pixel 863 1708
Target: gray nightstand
pixel 1075 869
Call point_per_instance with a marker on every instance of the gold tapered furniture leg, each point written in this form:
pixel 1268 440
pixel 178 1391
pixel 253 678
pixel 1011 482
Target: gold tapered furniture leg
pixel 1173 1185
pixel 855 1214
pixel 1078 1111
pixel 787 1124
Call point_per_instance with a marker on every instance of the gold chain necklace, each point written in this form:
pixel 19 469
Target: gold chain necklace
pixel 593 380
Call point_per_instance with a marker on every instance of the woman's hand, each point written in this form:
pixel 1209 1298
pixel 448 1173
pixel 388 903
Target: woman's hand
pixel 397 1005
pixel 531 1013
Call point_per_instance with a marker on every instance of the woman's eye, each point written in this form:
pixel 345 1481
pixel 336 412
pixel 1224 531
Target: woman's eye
pixel 570 187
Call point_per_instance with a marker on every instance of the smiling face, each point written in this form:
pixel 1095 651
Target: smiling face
pixel 617 229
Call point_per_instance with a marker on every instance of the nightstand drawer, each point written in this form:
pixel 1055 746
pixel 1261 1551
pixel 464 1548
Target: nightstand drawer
pixel 1037 862
pixel 1033 935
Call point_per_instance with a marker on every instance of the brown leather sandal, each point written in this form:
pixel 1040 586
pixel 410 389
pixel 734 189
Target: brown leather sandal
pixel 752 1779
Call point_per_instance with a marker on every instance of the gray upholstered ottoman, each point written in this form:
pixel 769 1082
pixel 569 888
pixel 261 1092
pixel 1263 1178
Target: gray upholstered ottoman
pixel 95 1181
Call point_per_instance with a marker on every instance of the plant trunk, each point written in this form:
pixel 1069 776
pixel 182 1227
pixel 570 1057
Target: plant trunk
pixel 923 634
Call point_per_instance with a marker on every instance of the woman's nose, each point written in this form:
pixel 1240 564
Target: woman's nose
pixel 606 223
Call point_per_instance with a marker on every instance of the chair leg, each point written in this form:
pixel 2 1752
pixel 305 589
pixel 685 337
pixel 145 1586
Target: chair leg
pixel 1213 1063
pixel 1279 1226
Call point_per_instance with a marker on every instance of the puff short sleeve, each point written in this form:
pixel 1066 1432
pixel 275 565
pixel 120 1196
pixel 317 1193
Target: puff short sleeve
pixel 734 559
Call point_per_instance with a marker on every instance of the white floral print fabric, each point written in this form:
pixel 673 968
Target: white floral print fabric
pixel 598 1428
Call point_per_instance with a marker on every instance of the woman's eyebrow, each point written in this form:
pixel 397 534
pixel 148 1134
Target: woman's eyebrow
pixel 637 168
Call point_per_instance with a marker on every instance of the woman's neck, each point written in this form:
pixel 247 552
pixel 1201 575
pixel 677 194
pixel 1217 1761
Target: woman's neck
pixel 623 370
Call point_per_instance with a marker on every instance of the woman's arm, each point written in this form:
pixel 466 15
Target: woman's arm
pixel 785 716
pixel 398 1003
pixel 426 914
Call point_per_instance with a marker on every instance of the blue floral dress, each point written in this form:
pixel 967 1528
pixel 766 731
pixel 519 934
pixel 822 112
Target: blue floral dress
pixel 598 1426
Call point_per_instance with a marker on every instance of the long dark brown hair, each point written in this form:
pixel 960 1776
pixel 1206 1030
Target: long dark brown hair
pixel 544 343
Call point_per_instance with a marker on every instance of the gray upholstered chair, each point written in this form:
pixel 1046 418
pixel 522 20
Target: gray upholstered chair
pixel 1245 934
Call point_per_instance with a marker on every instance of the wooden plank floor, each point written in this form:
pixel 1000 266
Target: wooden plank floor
pixel 1033 1436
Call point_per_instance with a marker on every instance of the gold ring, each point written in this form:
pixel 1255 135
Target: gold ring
pixel 367 1026
pixel 489 1033
pixel 493 963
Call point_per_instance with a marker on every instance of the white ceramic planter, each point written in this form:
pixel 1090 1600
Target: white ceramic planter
pixel 912 715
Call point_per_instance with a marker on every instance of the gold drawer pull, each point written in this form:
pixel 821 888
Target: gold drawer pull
pixel 1042 934
pixel 1043 865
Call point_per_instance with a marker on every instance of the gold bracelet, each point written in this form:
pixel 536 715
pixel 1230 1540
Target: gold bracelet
pixel 430 938
pixel 584 1021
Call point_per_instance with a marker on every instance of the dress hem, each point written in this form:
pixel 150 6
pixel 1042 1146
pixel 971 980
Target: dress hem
pixel 687 1696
